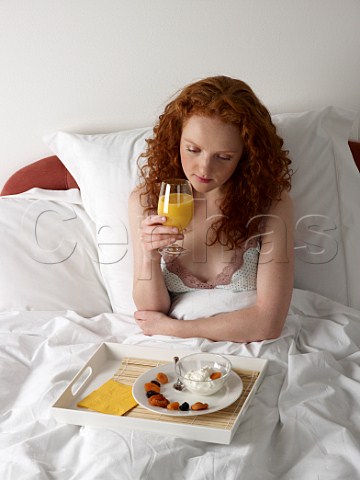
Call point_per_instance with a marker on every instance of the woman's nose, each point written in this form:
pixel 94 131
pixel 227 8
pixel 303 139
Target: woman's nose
pixel 204 167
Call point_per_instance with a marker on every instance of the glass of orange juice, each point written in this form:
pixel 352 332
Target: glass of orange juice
pixel 176 203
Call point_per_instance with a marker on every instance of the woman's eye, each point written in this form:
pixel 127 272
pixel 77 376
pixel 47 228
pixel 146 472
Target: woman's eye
pixel 224 157
pixel 192 150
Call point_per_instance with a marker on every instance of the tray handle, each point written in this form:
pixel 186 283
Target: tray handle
pixel 80 380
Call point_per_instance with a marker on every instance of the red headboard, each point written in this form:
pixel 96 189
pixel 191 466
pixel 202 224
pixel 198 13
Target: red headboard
pixel 355 150
pixel 50 173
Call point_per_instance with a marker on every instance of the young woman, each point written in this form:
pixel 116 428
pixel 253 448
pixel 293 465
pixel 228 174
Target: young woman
pixel 218 135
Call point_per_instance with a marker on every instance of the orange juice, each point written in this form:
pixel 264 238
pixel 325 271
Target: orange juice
pixel 178 208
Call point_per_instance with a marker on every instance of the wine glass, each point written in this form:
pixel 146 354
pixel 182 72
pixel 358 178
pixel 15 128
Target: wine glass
pixel 176 203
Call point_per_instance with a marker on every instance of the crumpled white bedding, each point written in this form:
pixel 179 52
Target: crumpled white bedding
pixel 303 422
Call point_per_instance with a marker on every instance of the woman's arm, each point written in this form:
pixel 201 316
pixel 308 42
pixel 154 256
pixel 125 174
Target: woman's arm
pixel 266 318
pixel 148 235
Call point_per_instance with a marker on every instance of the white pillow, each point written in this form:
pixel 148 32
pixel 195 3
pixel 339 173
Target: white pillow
pixel 105 169
pixel 49 257
pixel 326 194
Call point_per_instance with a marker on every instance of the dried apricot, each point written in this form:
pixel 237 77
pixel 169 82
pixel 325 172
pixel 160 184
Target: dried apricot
pixel 199 406
pixel 215 375
pixel 151 386
pixel 158 401
pixel 173 406
pixel 162 377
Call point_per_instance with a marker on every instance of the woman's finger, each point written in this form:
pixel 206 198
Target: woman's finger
pixel 154 220
pixel 155 244
pixel 157 236
pixel 159 230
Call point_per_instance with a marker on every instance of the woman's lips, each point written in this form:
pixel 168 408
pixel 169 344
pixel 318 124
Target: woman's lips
pixel 203 180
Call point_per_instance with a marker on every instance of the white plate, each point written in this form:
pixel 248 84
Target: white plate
pixel 230 392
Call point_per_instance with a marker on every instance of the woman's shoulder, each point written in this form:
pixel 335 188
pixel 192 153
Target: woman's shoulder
pixel 281 217
pixel 137 193
pixel 137 199
pixel 281 212
pixel 284 205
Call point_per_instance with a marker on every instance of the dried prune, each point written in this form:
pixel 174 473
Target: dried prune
pixel 150 393
pixel 184 407
pixel 155 382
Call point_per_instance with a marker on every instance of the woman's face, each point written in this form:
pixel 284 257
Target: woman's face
pixel 210 151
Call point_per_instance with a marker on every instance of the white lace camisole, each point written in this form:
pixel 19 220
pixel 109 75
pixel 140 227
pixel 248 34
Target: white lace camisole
pixel 238 276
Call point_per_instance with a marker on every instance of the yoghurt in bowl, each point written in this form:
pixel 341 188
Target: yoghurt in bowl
pixel 203 373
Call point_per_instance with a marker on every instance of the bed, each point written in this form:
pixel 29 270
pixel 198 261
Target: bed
pixel 66 289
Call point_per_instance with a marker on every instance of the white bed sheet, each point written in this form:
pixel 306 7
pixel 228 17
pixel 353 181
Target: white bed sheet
pixel 303 423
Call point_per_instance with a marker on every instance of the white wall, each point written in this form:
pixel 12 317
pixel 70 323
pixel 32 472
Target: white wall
pixel 103 65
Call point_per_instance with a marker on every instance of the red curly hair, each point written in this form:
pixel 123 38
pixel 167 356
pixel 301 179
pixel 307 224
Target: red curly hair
pixel 262 173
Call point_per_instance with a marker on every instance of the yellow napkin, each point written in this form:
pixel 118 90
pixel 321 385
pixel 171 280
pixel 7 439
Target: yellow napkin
pixel 112 397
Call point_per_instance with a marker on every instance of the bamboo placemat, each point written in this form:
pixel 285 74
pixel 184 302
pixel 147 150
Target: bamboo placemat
pixel 131 368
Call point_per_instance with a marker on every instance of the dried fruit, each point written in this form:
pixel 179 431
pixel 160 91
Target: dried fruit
pixel 150 393
pixel 199 406
pixel 155 382
pixel 151 386
pixel 158 401
pixel 162 377
pixel 184 407
pixel 215 375
pixel 173 406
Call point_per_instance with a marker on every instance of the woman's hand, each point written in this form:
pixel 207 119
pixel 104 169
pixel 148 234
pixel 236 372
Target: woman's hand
pixel 155 323
pixel 155 235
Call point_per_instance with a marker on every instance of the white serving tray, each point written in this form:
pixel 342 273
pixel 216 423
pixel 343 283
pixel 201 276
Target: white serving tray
pixel 103 365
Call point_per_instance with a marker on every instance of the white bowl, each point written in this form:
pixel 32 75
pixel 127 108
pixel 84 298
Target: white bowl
pixel 194 371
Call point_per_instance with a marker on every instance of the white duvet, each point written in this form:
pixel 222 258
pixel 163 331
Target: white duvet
pixel 303 422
